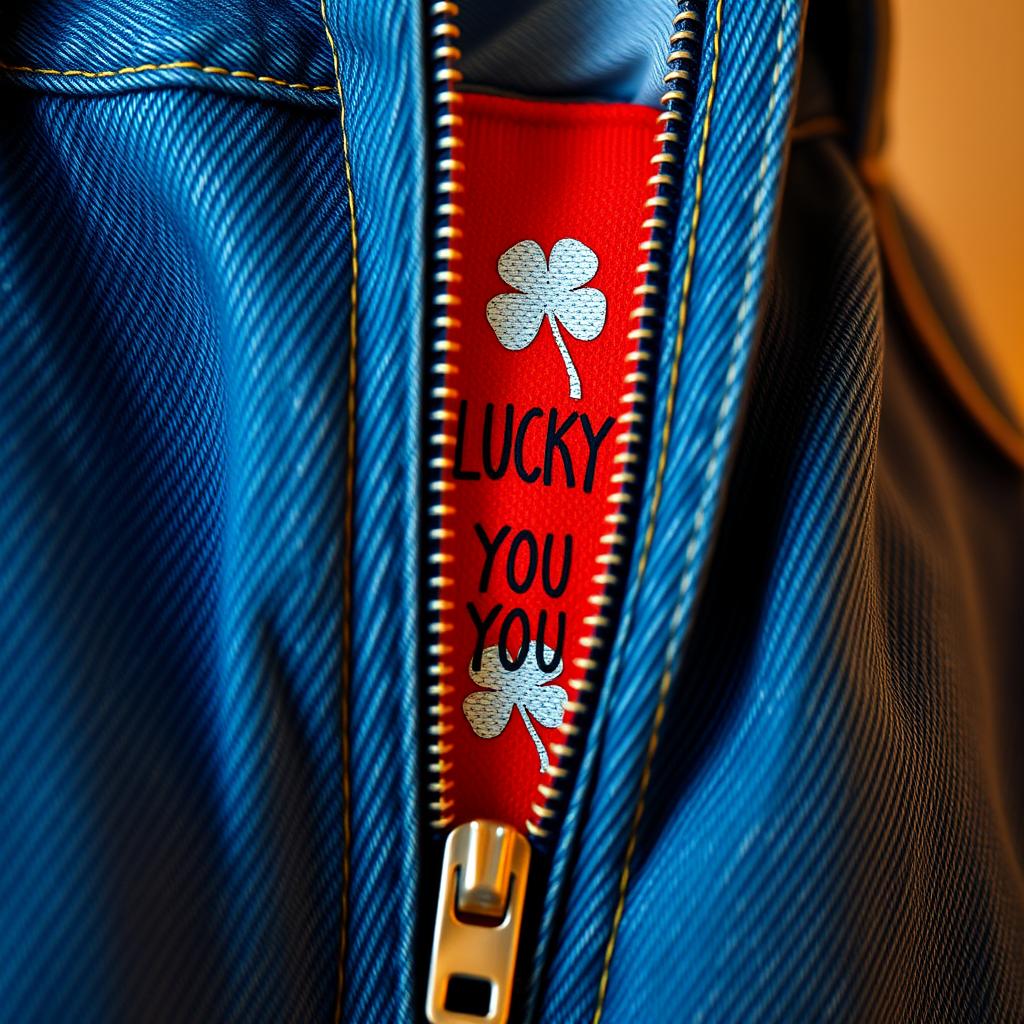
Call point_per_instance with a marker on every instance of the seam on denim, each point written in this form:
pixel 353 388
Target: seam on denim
pixel 711 469
pixel 681 62
pixel 174 65
pixel 931 332
pixel 677 355
pixel 347 529
pixel 659 479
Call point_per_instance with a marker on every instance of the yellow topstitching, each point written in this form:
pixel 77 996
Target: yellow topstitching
pixel 347 536
pixel 174 65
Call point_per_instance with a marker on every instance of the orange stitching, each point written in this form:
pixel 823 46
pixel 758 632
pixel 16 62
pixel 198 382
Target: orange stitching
pixel 612 554
pixel 347 535
pixel 174 65
pixel 666 679
pixel 677 355
pixel 666 435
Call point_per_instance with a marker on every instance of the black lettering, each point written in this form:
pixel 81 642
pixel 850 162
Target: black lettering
pixel 460 440
pixel 516 615
pixel 593 443
pixel 542 625
pixel 545 571
pixel 554 440
pixel 482 625
pixel 490 550
pixel 522 537
pixel 528 476
pixel 496 472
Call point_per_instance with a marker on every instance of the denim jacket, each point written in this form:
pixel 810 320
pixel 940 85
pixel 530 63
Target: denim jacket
pixel 800 792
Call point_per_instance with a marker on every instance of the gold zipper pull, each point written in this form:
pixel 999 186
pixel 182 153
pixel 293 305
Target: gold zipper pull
pixel 476 933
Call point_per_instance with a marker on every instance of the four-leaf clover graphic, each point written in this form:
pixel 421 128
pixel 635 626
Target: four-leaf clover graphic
pixel 548 287
pixel 490 710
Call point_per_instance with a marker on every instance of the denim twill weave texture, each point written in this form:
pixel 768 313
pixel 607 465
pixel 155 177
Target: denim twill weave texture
pixel 829 826
pixel 173 392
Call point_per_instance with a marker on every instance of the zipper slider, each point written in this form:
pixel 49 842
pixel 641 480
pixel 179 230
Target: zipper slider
pixel 476 932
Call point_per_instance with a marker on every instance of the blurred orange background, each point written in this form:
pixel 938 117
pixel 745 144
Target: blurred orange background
pixel 956 156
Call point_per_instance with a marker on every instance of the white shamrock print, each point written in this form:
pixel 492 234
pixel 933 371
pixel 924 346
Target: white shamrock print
pixel 552 288
pixel 490 710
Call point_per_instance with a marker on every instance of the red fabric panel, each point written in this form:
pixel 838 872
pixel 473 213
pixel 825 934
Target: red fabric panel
pixel 563 186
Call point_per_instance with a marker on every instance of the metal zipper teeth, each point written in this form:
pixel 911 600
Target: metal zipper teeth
pixel 662 208
pixel 445 329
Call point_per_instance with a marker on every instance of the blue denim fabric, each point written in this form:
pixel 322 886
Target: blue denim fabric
pixel 385 117
pixel 173 398
pixel 537 48
pixel 751 58
pixel 827 593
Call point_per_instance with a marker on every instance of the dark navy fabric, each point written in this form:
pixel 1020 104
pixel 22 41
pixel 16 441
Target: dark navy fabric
pixel 843 711
pixel 801 796
pixel 536 47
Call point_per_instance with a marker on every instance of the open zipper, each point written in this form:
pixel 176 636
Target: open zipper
pixel 486 863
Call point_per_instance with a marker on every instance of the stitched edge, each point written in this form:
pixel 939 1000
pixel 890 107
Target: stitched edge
pixel 666 435
pixel 709 473
pixel 174 65
pixel 682 61
pixel 677 355
pixel 347 534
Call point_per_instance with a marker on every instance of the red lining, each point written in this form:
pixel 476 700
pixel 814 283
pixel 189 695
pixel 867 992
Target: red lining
pixel 534 171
